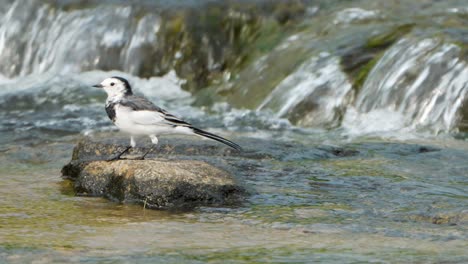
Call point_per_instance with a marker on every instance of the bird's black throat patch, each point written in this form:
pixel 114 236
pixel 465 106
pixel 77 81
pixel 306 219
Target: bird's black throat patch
pixel 110 110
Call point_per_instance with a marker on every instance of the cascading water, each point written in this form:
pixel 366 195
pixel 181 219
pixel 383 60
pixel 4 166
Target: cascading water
pixel 37 38
pixel 313 95
pixel 418 83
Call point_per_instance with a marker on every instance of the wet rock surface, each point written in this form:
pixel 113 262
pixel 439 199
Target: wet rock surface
pixel 154 182
pixel 181 173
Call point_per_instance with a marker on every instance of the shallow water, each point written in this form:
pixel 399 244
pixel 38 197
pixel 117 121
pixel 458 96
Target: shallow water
pixel 392 201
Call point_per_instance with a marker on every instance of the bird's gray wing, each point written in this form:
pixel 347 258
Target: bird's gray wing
pixel 146 113
pixel 139 103
pixel 153 114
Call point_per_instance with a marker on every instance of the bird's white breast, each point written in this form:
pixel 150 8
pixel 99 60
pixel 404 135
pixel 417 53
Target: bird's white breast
pixel 123 119
pixel 144 122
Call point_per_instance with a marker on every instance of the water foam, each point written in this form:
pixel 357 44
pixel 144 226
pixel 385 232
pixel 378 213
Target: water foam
pixel 36 38
pixel 320 83
pixel 422 81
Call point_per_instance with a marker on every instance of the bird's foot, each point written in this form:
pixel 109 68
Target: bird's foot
pixel 117 157
pixel 138 158
pixel 113 158
pixel 134 158
pixel 147 152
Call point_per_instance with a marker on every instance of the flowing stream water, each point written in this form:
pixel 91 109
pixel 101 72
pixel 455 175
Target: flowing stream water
pixel 382 85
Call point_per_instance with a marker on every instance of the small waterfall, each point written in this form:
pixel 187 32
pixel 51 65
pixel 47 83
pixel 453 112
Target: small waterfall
pixel 314 95
pixel 416 84
pixel 37 38
pixel 421 83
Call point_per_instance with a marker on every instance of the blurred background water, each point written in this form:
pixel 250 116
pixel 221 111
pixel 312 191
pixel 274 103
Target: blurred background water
pixel 386 78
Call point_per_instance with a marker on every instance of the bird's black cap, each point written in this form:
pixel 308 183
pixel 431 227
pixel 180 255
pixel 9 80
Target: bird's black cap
pixel 126 84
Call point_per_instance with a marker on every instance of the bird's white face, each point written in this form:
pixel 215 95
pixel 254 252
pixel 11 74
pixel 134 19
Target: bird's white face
pixel 114 87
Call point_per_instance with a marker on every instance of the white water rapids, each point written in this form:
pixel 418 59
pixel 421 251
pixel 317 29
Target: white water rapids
pixel 418 84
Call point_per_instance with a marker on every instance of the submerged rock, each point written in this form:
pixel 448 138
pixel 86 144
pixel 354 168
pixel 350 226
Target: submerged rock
pixel 156 183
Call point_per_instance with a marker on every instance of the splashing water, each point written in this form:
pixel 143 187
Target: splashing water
pixel 36 38
pixel 421 83
pixel 319 86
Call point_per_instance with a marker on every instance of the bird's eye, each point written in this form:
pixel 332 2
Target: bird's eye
pixel 112 84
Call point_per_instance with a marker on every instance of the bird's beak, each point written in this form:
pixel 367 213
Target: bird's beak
pixel 98 85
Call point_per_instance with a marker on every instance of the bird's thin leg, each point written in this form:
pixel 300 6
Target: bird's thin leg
pixel 132 145
pixel 132 142
pixel 120 154
pixel 146 153
pixel 154 140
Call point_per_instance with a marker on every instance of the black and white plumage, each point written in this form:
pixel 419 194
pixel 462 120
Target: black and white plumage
pixel 137 115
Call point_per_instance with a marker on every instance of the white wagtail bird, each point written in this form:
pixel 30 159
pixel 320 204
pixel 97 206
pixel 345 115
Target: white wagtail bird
pixel 136 115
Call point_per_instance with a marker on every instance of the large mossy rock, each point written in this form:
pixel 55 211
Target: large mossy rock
pixel 156 183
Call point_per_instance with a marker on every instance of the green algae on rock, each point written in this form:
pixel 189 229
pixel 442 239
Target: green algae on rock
pixel 359 61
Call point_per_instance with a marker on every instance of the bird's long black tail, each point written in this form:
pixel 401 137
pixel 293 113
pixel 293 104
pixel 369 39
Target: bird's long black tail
pixel 217 138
